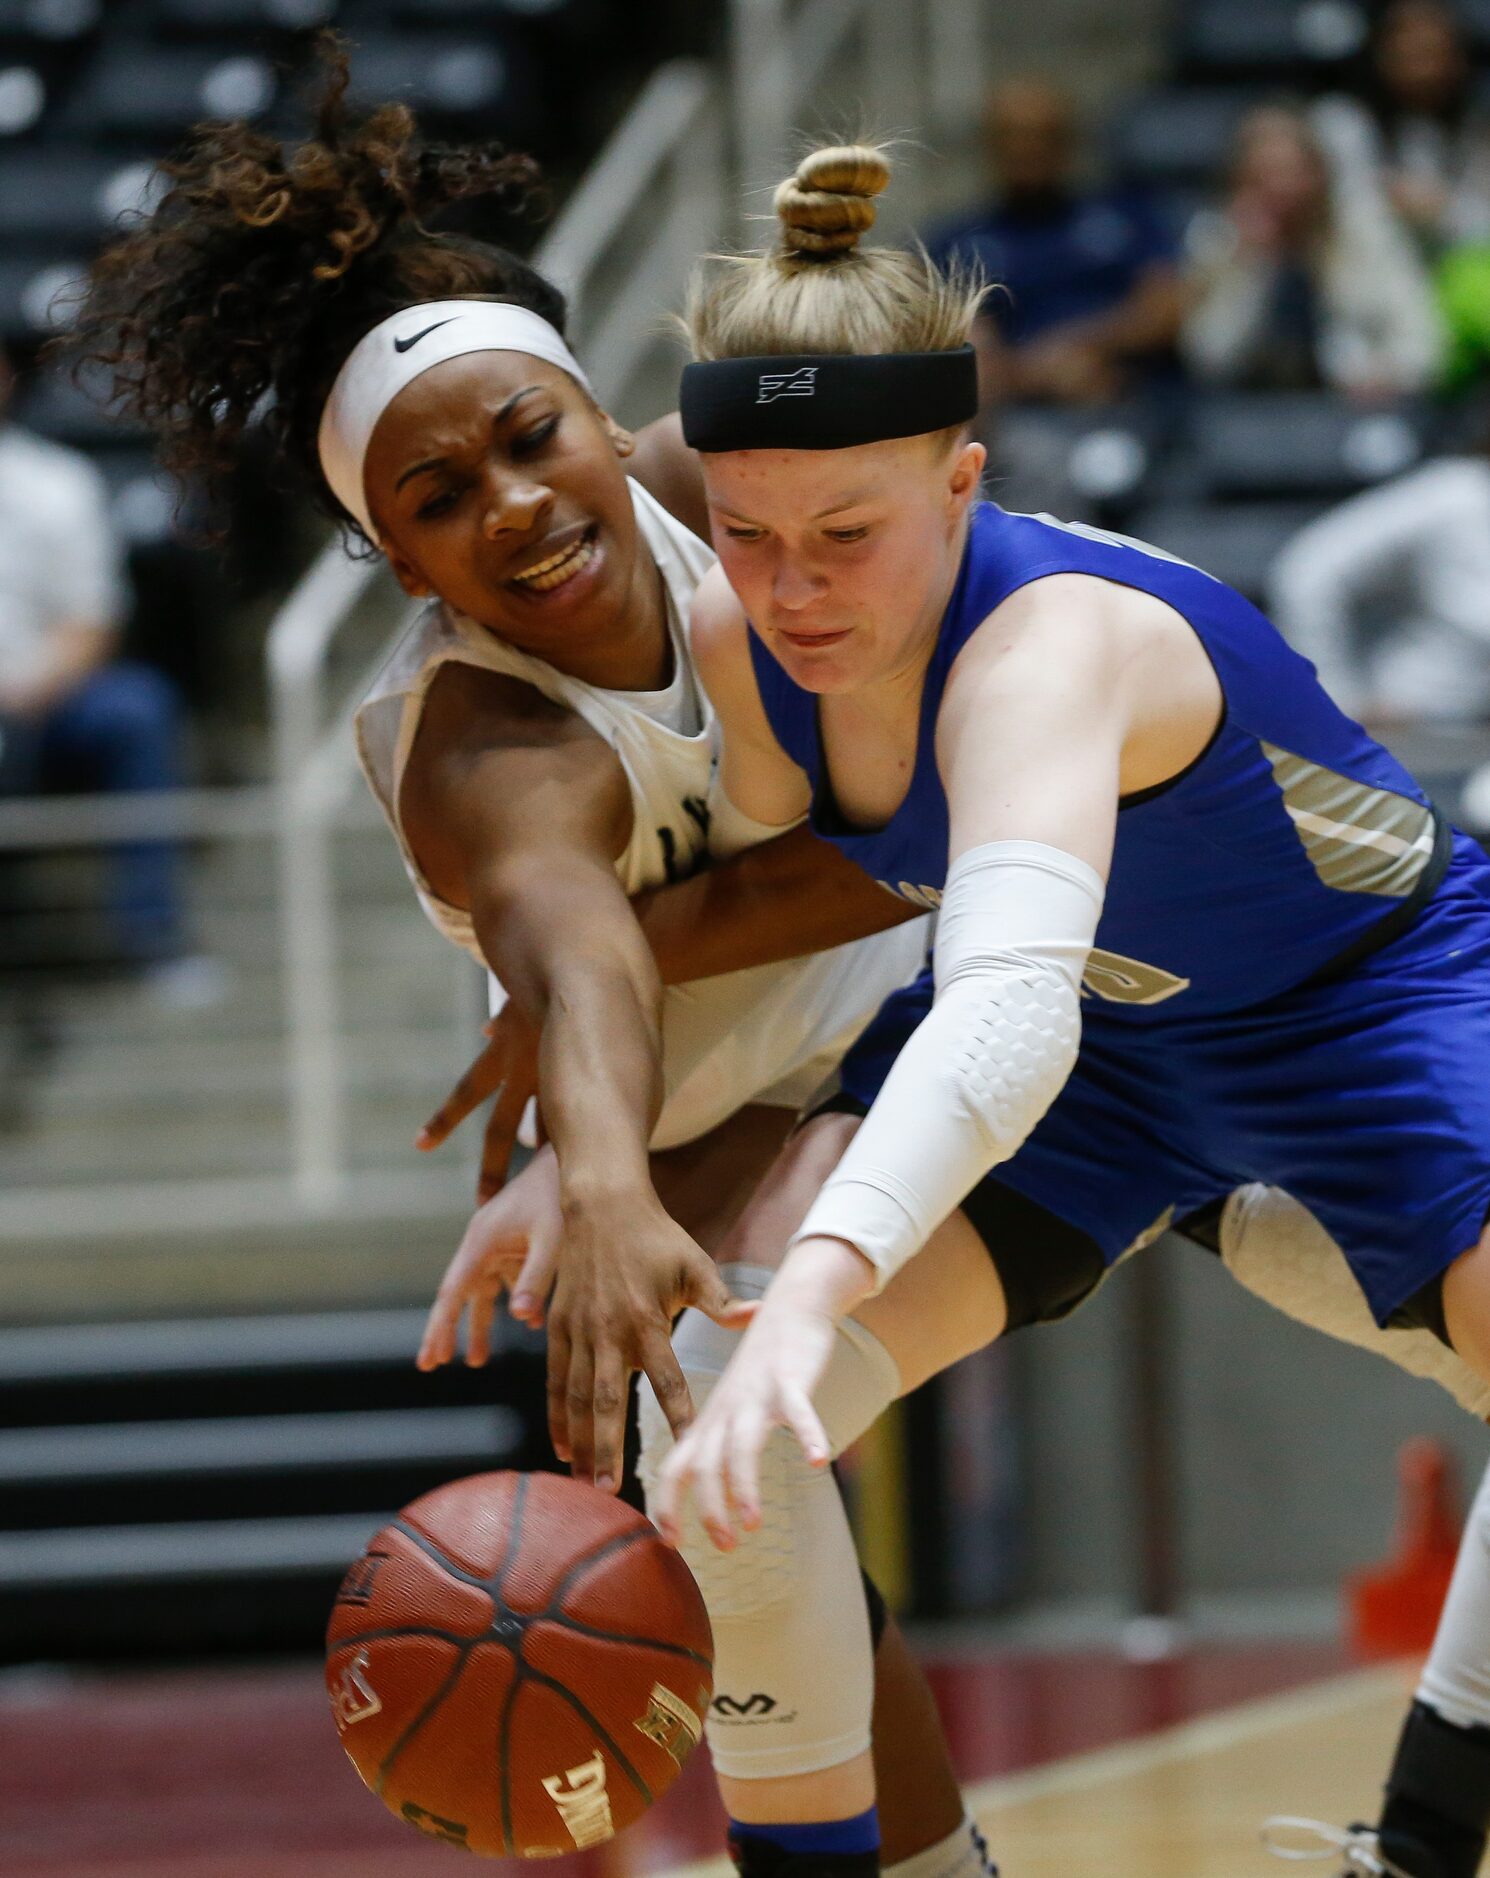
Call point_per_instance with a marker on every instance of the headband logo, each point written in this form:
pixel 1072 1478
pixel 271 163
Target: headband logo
pixel 799 384
pixel 407 345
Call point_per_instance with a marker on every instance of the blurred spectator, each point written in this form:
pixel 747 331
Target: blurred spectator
pixel 1087 284
pixel 72 716
pixel 1416 130
pixel 1389 594
pixel 1296 282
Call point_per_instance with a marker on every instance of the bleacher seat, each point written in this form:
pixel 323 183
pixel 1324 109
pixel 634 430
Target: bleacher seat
pixel 243 19
pixel 1237 542
pixel 474 84
pixel 1476 17
pixel 1178 139
pixel 1286 443
pixel 33 295
pixel 23 99
pixel 1287 41
pixel 44 24
pixel 74 412
pixel 61 200
pixel 149 96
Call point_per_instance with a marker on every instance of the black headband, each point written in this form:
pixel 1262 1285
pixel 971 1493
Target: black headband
pixel 827 401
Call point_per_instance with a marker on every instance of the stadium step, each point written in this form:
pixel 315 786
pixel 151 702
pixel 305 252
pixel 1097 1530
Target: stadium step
pixel 208 1480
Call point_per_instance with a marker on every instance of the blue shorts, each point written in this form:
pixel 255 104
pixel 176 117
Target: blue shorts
pixel 1366 1098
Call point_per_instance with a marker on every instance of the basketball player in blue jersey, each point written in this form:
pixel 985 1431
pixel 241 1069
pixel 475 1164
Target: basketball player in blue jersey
pixel 1196 928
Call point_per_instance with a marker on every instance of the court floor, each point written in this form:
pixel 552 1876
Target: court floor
pixel 1075 1762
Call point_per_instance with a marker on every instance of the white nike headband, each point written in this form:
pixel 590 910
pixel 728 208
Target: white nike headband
pixel 402 348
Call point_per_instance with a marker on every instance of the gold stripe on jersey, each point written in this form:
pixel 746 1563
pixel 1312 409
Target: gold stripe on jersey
pixel 1360 839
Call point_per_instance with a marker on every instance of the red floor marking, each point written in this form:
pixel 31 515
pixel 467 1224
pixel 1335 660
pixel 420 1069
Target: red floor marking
pixel 236 1773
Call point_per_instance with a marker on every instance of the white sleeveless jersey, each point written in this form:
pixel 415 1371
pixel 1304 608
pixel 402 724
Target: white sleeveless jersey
pixel 769 1034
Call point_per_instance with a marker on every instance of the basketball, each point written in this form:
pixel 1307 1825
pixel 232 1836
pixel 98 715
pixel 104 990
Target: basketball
pixel 519 1665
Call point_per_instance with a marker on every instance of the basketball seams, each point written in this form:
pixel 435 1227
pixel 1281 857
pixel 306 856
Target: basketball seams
pixel 496 1584
pixel 602 1734
pixel 618 1542
pixel 581 1629
pixel 460 1639
pixel 431 1550
pixel 504 1749
pixel 385 1766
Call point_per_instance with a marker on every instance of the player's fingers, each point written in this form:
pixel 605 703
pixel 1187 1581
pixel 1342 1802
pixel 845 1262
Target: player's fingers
pixel 579 1406
pixel 534 1282
pixel 709 1491
pixel 669 1384
pixel 612 1379
pixel 500 1138
pixel 742 1465
pixel 440 1330
pixel 673 1482
pixel 558 1389
pixel 802 1419
pixel 737 1313
pixel 478 1329
pixel 471 1090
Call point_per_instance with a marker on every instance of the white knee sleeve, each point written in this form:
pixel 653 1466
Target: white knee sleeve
pixel 793 1661
pixel 1281 1253
pixel 1456 1678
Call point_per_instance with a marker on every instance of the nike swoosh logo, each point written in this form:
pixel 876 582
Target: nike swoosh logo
pixel 403 345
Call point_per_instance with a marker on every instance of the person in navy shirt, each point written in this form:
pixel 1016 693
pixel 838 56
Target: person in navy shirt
pixel 1089 284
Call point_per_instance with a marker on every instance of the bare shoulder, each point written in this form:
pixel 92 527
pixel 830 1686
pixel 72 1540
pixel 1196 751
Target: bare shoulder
pixel 717 629
pixel 1064 632
pixel 496 766
pixel 667 469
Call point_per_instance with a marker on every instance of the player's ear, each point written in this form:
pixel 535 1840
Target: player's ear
pixel 406 574
pixel 965 476
pixel 621 440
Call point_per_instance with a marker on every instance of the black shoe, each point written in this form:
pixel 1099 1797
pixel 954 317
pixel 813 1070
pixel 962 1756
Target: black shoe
pixel 1366 1853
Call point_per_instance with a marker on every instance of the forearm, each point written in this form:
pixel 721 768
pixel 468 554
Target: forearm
pixel 986 1062
pixel 570 954
pixel 600 1070
pixel 782 900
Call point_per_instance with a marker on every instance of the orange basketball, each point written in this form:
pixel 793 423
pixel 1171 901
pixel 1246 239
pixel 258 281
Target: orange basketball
pixel 519 1665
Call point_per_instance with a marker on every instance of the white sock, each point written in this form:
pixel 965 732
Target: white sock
pixel 962 1854
pixel 1456 1679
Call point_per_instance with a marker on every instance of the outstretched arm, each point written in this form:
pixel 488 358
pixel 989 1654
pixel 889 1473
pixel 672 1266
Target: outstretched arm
pixel 1030 744
pixel 516 811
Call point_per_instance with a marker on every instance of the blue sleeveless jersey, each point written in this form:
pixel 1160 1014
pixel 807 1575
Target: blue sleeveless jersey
pixel 1279 849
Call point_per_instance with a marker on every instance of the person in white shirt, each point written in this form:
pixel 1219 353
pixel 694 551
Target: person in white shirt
pixel 1389 594
pixel 72 716
pixel 1298 282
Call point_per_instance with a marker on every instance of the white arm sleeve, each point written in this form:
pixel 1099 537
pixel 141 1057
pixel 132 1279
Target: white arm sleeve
pixel 1017 921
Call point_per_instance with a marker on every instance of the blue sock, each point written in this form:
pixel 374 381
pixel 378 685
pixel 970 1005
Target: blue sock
pixel 859 1834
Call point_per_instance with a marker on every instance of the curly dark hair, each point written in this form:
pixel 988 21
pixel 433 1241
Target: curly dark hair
pixel 259 269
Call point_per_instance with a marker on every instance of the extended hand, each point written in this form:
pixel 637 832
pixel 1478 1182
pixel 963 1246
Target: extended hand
pixel 512 1241
pixel 768 1384
pixel 508 1068
pixel 626 1272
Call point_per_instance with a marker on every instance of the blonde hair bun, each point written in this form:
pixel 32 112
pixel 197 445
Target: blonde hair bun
pixel 829 203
